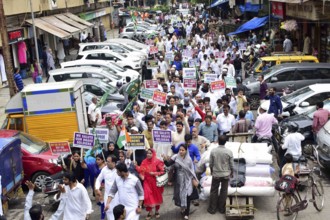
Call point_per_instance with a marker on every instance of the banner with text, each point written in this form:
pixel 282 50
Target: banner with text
pixel 162 136
pixel 101 133
pixel 159 98
pixel 60 148
pixel 230 82
pixel 83 140
pixel 189 73
pixel 146 93
pixel 151 84
pixel 136 143
pixel 218 85
pixel 190 84
pixel 208 78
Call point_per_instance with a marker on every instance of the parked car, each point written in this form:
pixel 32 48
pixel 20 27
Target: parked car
pixel 302 100
pixel 143 24
pixel 109 107
pixel 113 46
pixel 129 32
pixel 38 161
pixel 304 123
pixel 109 66
pixel 132 43
pixel 76 73
pixel 322 150
pixel 121 59
pixel 282 76
pixel 99 88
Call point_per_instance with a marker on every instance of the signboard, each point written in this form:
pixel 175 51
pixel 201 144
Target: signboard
pixel 208 78
pixel 159 98
pixel 230 82
pixel 83 140
pixel 278 9
pixel 153 50
pixel 151 84
pixel 192 63
pixel 146 93
pixel 187 53
pixel 136 143
pixel 162 136
pixel 218 85
pixel 189 73
pixel 190 84
pixel 152 63
pixel 101 133
pixel 15 36
pixel 60 148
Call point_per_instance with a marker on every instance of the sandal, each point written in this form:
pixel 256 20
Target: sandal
pixel 186 217
pixel 149 216
pixel 157 215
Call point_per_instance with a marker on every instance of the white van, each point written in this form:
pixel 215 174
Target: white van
pixel 60 75
pixel 111 67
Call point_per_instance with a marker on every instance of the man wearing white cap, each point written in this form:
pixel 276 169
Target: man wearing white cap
pixel 163 66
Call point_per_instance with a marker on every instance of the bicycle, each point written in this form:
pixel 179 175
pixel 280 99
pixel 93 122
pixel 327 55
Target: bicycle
pixel 289 204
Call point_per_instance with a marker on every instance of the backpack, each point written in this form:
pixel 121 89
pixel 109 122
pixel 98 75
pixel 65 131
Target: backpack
pixel 286 184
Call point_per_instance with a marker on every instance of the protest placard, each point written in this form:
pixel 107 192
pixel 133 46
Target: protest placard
pixel 230 82
pixel 151 84
pixel 162 136
pixel 159 98
pixel 192 63
pixel 152 64
pixel 189 73
pixel 218 85
pixel 208 78
pixel 136 143
pixel 187 53
pixel 189 84
pixel 169 56
pixel 60 148
pixel 83 140
pixel 101 133
pixel 153 50
pixel 146 93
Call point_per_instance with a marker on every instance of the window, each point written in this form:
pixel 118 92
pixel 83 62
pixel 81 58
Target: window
pixel 107 56
pixel 324 73
pixel 94 56
pixel 129 30
pixel 318 98
pixel 79 57
pixel 307 74
pixel 94 89
pixel 286 76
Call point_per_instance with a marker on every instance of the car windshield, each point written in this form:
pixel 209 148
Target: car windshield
pixel 269 72
pixel 111 75
pixel 297 95
pixel 107 87
pixel 117 67
pixel 256 64
pixel 32 144
pixel 126 48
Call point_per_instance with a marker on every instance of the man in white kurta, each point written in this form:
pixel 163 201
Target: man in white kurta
pixel 108 174
pixel 130 193
pixel 78 204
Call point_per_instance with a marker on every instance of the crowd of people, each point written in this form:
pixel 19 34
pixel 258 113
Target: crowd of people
pixel 196 119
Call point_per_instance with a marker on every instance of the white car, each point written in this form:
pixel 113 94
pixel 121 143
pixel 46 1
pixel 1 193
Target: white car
pixel 76 73
pixel 121 59
pixel 143 24
pixel 302 100
pixel 111 67
pixel 113 46
pixel 132 43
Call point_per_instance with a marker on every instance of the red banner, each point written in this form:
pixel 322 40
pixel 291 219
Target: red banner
pixel 153 50
pixel 151 84
pixel 190 84
pixel 278 9
pixel 217 85
pixel 58 148
pixel 159 98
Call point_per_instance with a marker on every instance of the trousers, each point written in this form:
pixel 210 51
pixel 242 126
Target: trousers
pixel 218 202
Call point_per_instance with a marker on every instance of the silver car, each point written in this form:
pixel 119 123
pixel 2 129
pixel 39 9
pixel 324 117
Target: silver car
pixel 140 31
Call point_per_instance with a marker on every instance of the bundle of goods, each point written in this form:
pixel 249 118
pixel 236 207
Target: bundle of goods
pixel 252 171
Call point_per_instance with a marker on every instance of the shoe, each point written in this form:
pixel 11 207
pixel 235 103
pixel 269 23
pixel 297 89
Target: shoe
pixel 211 212
pixel 149 216
pixel 157 215
pixel 186 217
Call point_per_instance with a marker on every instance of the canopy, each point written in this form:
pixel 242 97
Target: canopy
pixel 217 2
pixel 250 25
pixel 248 7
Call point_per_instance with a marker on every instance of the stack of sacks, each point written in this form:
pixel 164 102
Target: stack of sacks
pixel 258 171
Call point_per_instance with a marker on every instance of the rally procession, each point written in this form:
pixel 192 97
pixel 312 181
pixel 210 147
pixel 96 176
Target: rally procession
pixel 150 109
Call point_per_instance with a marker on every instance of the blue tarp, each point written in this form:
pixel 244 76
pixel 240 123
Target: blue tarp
pixel 250 25
pixel 217 2
pixel 248 7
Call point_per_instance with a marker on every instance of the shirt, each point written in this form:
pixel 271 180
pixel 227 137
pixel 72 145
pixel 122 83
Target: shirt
pixel 264 125
pixel 275 105
pixel 263 90
pixel 221 162
pixel 199 141
pixel 225 123
pixel 93 112
pixel 292 143
pixel 320 118
pixel 209 131
pixel 78 203
pixel 148 136
pixel 192 149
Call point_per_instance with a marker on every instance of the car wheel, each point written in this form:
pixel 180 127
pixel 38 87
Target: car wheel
pixel 254 102
pixel 125 37
pixel 308 147
pixel 38 178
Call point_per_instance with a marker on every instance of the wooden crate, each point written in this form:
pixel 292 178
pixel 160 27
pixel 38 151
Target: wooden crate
pixel 239 207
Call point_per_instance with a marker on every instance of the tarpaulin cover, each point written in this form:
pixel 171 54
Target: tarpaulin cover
pixel 248 7
pixel 250 25
pixel 217 2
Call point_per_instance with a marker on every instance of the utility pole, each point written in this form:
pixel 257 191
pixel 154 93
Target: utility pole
pixel 6 52
pixel 34 34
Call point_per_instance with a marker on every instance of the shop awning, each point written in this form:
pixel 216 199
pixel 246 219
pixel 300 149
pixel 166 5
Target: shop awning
pixel 250 25
pixel 45 26
pixel 79 20
pixel 290 1
pixel 71 22
pixel 60 24
pixel 248 7
pixel 217 3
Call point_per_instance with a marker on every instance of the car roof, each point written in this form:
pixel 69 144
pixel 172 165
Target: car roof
pixel 98 43
pixel 301 65
pixel 320 87
pixel 87 62
pixel 8 133
pixel 80 69
pixel 99 51
pixel 288 57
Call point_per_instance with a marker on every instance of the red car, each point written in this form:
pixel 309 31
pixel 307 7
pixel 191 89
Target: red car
pixel 38 161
